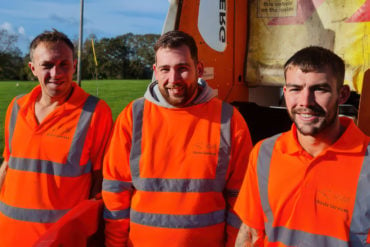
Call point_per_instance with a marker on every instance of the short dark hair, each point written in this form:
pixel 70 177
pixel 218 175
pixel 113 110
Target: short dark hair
pixel 53 36
pixel 315 58
pixel 175 39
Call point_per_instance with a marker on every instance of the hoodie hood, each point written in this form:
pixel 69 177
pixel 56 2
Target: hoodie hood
pixel 154 95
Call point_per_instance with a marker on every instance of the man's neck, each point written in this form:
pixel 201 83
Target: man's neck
pixel 314 145
pixel 46 100
pixel 45 104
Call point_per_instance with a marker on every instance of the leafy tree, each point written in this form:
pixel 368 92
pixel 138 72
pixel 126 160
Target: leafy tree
pixel 25 73
pixel 11 61
pixel 7 41
pixel 126 56
pixel 141 54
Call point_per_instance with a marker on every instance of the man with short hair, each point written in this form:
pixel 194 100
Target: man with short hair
pixel 309 186
pixel 55 137
pixel 176 159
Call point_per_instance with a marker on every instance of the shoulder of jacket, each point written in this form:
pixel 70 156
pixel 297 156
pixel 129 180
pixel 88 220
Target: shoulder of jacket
pixel 17 99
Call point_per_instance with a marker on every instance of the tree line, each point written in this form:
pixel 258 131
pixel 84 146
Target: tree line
pixel 127 56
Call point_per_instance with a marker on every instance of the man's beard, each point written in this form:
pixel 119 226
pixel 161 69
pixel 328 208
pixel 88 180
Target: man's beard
pixel 327 119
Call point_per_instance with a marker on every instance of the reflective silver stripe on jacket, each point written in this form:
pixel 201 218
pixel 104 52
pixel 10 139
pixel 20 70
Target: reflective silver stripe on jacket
pixel 116 186
pixel 360 223
pixel 233 220
pixel 180 185
pixel 178 221
pixel 13 120
pixel 290 237
pixel 49 167
pixel 32 215
pixel 263 171
pixel 135 153
pixel 72 167
pixel 116 214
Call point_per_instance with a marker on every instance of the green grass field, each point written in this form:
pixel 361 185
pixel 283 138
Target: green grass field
pixel 117 93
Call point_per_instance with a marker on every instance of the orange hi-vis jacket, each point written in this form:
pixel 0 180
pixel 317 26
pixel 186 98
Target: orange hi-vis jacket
pixel 50 164
pixel 171 175
pixel 300 200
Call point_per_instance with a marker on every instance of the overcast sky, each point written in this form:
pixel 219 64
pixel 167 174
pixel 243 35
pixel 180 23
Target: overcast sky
pixel 105 18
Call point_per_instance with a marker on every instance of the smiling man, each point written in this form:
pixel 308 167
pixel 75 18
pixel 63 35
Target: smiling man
pixel 309 186
pixel 176 159
pixel 55 137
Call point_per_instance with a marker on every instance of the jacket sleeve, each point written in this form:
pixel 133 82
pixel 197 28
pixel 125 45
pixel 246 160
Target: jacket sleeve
pixel 241 146
pixel 117 184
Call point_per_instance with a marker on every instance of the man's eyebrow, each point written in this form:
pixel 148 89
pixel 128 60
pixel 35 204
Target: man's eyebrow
pixel 292 85
pixel 324 84
pixel 181 64
pixel 176 65
pixel 164 65
pixel 45 62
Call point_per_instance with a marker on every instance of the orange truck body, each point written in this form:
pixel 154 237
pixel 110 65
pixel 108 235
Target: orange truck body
pixel 224 35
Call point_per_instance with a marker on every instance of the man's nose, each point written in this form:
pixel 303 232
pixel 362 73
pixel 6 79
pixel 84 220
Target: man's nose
pixel 307 98
pixel 174 75
pixel 55 70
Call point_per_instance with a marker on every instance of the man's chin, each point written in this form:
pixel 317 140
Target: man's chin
pixel 307 129
pixel 177 102
pixel 312 132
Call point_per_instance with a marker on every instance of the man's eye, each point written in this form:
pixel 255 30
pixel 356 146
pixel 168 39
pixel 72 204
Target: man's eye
pixel 47 66
pixel 322 89
pixel 64 65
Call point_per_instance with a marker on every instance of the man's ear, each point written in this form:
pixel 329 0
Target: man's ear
pixel 32 68
pixel 155 71
pixel 200 69
pixel 74 64
pixel 284 89
pixel 344 94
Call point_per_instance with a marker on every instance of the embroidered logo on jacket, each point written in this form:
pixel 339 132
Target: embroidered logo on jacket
pixel 333 200
pixel 64 133
pixel 205 149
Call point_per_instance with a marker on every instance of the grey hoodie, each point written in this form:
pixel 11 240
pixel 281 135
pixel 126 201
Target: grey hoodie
pixel 154 95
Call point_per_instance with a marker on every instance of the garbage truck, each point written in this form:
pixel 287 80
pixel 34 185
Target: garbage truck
pixel 243 45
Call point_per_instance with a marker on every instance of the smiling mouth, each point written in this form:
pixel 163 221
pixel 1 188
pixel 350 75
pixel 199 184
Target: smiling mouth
pixel 309 116
pixel 175 89
pixel 306 115
pixel 56 82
